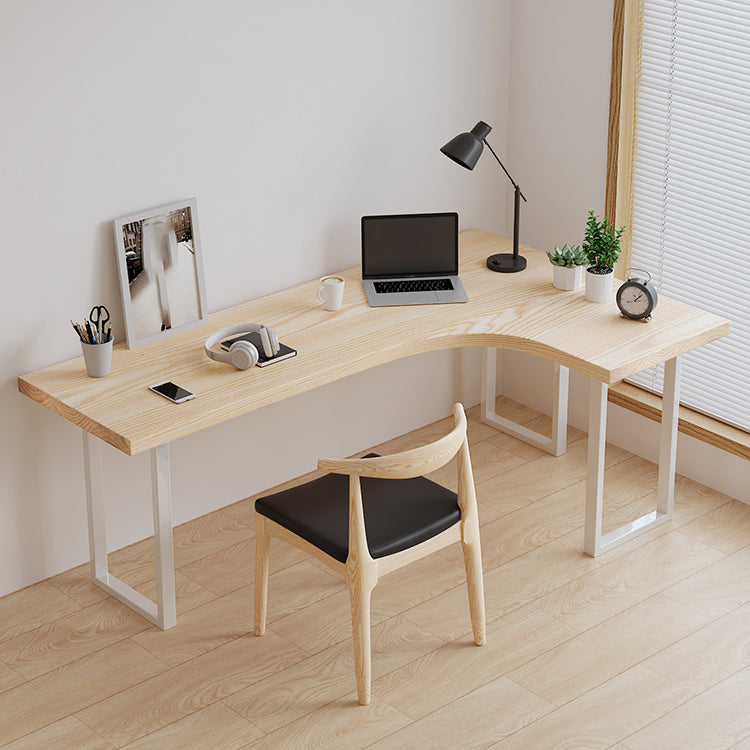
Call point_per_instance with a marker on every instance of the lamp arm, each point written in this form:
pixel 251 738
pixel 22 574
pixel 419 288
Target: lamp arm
pixel 505 170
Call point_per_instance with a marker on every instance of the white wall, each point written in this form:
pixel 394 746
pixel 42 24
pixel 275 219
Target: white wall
pixel 287 121
pixel 559 90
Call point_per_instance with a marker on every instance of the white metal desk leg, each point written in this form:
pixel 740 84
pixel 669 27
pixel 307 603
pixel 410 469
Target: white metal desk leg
pixel 668 441
pixel 162 499
pixel 162 613
pixel 594 541
pixel 595 478
pixel 489 381
pixel 559 438
pixel 557 443
pixel 92 464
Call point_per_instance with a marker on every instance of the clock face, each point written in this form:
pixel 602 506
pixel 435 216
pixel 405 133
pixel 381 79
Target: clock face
pixel 634 300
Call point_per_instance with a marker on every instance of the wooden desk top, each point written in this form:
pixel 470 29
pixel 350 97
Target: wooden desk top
pixel 521 311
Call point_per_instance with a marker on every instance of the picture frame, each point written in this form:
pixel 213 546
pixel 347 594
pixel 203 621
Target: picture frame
pixel 160 267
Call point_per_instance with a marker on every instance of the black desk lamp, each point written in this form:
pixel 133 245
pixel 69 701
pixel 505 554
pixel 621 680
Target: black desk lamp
pixel 465 149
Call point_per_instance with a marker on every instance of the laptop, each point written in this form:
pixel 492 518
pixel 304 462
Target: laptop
pixel 411 259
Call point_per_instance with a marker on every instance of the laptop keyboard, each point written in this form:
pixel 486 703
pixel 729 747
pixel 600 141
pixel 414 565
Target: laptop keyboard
pixel 413 285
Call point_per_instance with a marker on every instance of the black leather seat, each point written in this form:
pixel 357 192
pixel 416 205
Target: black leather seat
pixel 399 513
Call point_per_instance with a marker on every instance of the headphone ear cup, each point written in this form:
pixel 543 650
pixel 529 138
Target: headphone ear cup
pixel 270 341
pixel 243 355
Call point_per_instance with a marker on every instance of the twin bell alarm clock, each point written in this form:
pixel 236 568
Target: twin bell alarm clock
pixel 637 297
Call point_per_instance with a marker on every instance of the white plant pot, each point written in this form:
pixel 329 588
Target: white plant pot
pixel 599 286
pixel 567 279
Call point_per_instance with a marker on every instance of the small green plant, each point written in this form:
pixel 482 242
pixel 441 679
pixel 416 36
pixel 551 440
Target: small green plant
pixel 601 244
pixel 567 256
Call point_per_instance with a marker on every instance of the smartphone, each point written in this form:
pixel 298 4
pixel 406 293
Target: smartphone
pixel 172 391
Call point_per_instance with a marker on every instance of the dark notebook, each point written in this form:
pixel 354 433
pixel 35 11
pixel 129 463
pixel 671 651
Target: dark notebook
pixel 285 352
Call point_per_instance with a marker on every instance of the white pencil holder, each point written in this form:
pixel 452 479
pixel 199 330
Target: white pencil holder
pixel 98 358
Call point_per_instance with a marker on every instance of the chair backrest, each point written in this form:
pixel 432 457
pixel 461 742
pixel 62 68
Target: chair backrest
pixel 407 464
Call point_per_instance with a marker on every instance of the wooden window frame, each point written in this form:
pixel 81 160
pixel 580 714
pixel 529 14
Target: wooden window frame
pixel 626 33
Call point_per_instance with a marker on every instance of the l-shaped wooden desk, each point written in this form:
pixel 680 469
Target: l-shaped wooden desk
pixel 505 311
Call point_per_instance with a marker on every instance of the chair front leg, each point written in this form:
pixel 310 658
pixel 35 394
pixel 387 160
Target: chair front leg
pixel 467 500
pixel 360 581
pixel 475 585
pixel 262 549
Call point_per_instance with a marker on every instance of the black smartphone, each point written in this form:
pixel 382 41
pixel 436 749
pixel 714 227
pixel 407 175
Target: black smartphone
pixel 172 391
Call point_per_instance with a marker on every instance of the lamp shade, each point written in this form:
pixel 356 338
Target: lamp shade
pixel 466 148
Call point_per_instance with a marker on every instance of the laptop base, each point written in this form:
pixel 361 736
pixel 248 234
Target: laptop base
pixel 457 294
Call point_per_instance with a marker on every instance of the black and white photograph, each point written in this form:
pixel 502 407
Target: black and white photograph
pixel 161 272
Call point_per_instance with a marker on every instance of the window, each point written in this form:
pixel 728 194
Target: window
pixel 689 217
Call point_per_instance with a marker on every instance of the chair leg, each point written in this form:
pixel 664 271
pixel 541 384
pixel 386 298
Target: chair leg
pixel 262 549
pixel 475 584
pixel 467 501
pixel 360 589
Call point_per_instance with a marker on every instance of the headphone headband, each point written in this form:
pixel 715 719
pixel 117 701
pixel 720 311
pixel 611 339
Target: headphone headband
pixel 214 338
pixel 242 354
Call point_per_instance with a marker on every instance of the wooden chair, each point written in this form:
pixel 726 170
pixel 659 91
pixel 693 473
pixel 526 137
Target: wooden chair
pixel 386 516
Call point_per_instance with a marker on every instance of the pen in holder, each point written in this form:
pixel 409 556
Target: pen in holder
pixel 96 342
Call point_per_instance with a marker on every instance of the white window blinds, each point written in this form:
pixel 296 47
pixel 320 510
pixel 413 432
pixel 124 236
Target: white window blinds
pixel 691 190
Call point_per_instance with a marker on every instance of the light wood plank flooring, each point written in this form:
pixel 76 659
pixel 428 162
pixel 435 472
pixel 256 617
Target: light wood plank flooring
pixel 647 646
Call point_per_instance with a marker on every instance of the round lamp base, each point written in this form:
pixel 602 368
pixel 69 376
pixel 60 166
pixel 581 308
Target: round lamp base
pixel 506 263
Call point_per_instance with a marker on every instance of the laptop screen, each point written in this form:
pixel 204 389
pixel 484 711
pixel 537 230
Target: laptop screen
pixel 410 245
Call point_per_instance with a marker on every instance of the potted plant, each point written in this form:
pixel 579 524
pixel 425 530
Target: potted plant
pixel 568 263
pixel 601 246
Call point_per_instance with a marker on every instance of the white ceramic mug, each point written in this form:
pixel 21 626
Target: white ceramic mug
pixel 331 292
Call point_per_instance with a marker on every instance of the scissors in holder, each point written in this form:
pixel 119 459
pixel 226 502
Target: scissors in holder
pixel 99 317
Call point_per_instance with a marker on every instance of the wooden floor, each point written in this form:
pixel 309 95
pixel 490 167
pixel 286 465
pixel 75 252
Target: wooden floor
pixel 647 646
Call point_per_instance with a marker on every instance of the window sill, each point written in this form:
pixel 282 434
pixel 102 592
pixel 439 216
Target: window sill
pixel 691 423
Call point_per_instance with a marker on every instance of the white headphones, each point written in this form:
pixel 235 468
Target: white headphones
pixel 243 354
